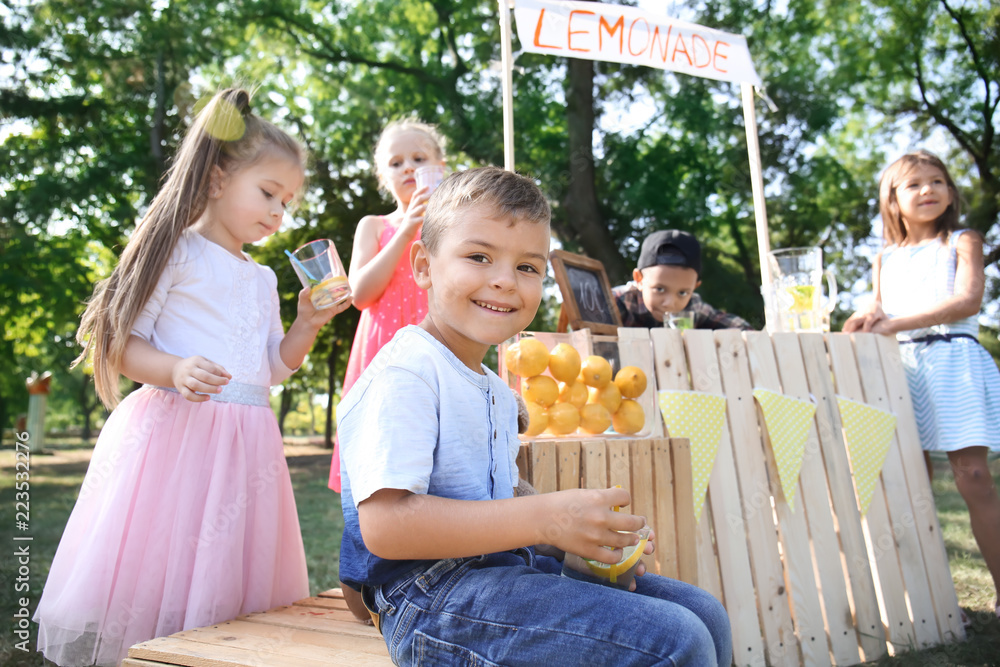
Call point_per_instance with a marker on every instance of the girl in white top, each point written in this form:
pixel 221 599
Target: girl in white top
pixel 929 283
pixel 186 516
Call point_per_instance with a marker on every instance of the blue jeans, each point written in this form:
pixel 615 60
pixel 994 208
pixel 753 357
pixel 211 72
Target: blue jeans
pixel 514 608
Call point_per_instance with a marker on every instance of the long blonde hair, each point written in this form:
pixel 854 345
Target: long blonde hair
pixel 893 229
pixel 224 134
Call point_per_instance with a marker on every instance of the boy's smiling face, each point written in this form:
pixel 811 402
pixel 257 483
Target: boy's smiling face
pixel 484 282
pixel 666 289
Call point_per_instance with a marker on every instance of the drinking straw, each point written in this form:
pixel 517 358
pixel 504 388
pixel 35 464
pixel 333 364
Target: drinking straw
pixel 300 265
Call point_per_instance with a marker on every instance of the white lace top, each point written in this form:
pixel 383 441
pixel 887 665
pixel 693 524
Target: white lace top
pixel 210 303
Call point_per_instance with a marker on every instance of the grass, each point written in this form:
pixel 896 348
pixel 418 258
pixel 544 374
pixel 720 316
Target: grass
pixel 56 478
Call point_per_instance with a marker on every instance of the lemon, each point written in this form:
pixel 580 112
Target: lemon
pixel 564 362
pixel 527 357
pixel 594 418
pixel 802 297
pixel 329 292
pixel 540 389
pixel 629 418
pixel 608 396
pixel 595 371
pixel 564 418
pixel 631 381
pixel 630 557
pixel 538 418
pixel 574 393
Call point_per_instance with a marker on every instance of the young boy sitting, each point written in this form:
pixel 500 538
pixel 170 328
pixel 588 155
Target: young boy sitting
pixel 433 535
pixel 665 281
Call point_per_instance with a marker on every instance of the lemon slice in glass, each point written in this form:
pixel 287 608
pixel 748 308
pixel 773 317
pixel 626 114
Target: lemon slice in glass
pixel 630 559
pixel 802 297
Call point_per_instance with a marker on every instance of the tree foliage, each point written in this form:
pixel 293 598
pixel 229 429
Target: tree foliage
pixel 94 98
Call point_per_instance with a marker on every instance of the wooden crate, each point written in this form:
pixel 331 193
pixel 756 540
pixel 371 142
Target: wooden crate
pixel 656 471
pixel 316 631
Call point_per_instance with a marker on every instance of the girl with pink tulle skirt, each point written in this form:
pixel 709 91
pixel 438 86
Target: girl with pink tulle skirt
pixel 186 516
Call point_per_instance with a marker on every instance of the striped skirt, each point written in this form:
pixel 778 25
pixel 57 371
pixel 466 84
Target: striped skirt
pixel 956 394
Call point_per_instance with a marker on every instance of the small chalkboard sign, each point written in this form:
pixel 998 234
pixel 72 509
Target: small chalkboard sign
pixel 586 292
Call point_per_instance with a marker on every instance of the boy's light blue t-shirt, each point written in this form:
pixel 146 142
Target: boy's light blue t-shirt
pixel 418 419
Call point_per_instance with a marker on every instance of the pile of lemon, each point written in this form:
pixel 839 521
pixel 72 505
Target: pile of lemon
pixel 577 394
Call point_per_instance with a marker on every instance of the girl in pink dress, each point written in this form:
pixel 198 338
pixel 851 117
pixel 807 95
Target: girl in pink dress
pixel 380 275
pixel 186 516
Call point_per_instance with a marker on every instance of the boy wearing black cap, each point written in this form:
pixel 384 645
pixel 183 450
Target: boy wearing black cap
pixel 664 282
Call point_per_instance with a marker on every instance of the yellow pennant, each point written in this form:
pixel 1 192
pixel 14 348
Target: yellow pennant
pixel 699 417
pixel 787 420
pixel 868 432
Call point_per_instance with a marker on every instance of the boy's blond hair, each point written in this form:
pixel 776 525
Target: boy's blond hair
pixel 510 196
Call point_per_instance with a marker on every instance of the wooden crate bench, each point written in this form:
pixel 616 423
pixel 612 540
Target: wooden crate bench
pixel 317 631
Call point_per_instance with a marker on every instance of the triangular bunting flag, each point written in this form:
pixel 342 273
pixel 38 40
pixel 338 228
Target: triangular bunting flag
pixel 787 420
pixel 699 417
pixel 868 432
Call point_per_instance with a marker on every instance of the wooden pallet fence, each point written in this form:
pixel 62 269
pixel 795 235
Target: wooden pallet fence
pixel 820 584
pixel 656 471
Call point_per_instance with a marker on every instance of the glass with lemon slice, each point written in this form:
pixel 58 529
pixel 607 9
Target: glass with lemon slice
pixel 318 266
pixel 797 289
pixel 620 574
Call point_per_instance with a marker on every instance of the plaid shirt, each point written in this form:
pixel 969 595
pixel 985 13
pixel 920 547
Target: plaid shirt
pixel 635 314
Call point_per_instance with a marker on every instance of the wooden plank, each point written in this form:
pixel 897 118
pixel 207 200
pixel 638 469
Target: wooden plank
pixel 636 349
pixel 670 361
pixel 942 587
pixel 568 473
pixel 135 662
pixel 594 464
pixel 313 619
pixel 687 552
pixel 544 466
pixel 524 462
pixel 793 531
pixel 857 567
pixel 902 528
pixel 619 467
pixel 189 653
pixel 664 525
pixel 641 464
pixel 726 515
pixel 889 578
pixel 814 500
pixel 300 642
pixel 781 644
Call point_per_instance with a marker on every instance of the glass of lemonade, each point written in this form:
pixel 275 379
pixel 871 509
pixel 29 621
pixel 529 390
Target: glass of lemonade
pixel 318 266
pixel 682 319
